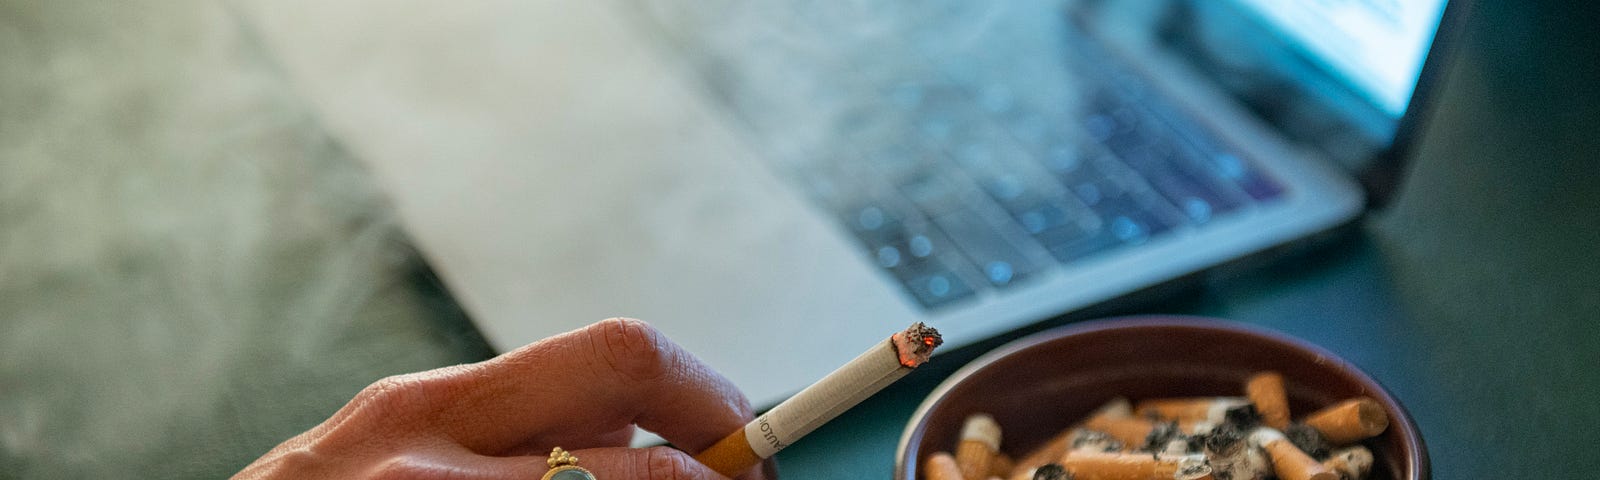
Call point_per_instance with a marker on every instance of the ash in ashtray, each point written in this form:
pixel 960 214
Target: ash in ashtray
pixel 1249 437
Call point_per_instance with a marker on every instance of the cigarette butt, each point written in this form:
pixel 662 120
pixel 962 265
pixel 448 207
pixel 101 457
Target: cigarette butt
pixel 1051 450
pixel 1212 409
pixel 941 466
pixel 1287 460
pixel 1130 431
pixel 1048 471
pixel 980 441
pixel 1193 467
pixel 1023 474
pixel 847 386
pixel 1231 455
pixel 1135 432
pixel 1118 466
pixel 1001 465
pixel 1350 421
pixel 1352 463
pixel 1265 390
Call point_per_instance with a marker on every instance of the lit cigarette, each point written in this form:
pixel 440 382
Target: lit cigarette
pixel 822 401
pixel 1349 421
pixel 1287 460
pixel 1208 409
pixel 980 441
pixel 1265 390
pixel 1133 466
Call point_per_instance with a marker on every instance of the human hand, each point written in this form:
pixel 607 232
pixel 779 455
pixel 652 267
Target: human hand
pixel 583 391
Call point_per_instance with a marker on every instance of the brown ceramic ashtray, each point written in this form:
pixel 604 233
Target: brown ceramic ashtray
pixel 1037 386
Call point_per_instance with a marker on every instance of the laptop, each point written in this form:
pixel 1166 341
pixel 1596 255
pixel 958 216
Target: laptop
pixel 778 185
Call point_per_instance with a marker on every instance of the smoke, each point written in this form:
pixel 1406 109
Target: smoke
pixel 191 271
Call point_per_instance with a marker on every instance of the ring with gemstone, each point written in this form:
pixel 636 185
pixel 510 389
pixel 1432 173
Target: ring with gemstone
pixel 564 466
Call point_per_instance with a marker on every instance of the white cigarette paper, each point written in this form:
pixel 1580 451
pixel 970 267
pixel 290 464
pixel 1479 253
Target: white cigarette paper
pixel 844 388
pixel 822 401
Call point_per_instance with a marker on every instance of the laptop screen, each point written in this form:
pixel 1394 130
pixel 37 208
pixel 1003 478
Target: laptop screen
pixel 1375 46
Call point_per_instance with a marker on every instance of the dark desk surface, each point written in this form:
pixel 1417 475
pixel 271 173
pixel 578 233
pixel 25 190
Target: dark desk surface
pixel 1475 298
pixel 1489 390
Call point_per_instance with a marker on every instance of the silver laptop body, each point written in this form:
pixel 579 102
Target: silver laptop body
pixel 778 185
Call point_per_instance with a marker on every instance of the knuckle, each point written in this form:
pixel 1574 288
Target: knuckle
pixel 633 348
pixel 414 466
pixel 662 463
pixel 285 463
pixel 408 467
pixel 394 394
pixel 408 393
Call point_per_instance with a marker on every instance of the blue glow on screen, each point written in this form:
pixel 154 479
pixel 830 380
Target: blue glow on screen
pixel 1375 46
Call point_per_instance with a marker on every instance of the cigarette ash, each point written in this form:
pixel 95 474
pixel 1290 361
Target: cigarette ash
pixel 1161 436
pixel 915 345
pixel 1308 440
pixel 1230 444
pixel 1245 417
pixel 1231 456
pixel 1168 436
pixel 1194 470
pixel 1095 440
pixel 1052 471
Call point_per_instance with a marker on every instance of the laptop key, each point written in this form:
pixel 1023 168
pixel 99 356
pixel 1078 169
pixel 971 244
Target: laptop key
pixel 878 223
pixel 1133 219
pixel 932 193
pixel 997 259
pixel 932 282
pixel 1071 243
pixel 1189 190
pixel 1043 215
pixel 1206 154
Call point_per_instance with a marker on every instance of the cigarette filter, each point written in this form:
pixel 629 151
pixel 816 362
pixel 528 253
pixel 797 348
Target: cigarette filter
pixel 1287 460
pixel 1349 421
pixel 1210 409
pixel 1066 440
pixel 1001 466
pixel 980 440
pixel 1134 432
pixel 941 466
pixel 1130 466
pixel 1266 391
pixel 822 401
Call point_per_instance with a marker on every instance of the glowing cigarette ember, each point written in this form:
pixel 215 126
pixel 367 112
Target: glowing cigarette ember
pixel 914 345
pixel 868 373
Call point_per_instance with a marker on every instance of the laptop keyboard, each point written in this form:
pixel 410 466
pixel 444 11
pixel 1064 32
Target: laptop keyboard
pixel 958 177
pixel 963 204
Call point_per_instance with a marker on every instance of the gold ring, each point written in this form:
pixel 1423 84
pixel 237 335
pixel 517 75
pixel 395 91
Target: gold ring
pixel 564 466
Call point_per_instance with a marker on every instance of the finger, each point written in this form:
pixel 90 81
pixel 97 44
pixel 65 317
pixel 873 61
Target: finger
pixel 655 463
pixel 576 387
